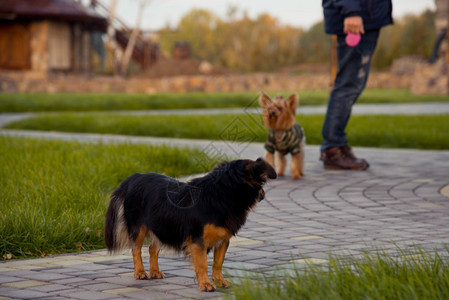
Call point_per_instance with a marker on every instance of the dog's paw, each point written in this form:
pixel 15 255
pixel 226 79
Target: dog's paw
pixel 296 176
pixel 221 282
pixel 156 274
pixel 140 275
pixel 206 287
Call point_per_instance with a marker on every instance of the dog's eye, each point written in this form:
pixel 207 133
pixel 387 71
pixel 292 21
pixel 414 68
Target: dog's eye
pixel 280 108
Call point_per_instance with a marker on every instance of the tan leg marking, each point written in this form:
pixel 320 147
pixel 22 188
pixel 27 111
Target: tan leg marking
pixel 296 167
pixel 139 270
pixel 199 262
pixel 212 236
pixel 282 164
pixel 270 158
pixel 298 163
pixel 219 255
pixel 154 249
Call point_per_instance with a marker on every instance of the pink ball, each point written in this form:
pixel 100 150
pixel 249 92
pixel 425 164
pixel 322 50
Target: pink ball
pixel 353 39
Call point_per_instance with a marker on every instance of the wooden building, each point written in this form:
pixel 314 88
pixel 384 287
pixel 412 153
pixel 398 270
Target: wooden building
pixel 47 35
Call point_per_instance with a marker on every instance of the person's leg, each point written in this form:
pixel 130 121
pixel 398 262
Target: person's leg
pixel 354 67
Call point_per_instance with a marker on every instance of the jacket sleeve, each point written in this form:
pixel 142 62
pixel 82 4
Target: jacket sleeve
pixel 348 8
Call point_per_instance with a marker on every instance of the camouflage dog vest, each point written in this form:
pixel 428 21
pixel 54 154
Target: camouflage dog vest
pixel 285 141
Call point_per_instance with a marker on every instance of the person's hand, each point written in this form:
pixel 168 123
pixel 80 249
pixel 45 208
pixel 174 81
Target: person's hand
pixel 354 25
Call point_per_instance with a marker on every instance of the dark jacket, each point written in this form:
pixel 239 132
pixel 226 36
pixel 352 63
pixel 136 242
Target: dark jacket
pixel 375 14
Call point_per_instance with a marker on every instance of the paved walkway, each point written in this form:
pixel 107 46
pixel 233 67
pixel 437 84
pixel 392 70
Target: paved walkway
pixel 359 109
pixel 401 201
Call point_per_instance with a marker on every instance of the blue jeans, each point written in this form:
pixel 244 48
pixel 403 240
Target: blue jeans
pixel 353 69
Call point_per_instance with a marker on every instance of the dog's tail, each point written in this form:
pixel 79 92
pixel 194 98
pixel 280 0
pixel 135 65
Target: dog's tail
pixel 116 234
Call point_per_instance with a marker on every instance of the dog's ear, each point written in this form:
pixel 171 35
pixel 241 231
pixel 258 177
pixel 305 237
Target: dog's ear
pixel 262 170
pixel 264 100
pixel 292 102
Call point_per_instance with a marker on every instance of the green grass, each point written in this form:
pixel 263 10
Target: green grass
pixel 375 276
pixel 100 102
pixel 418 132
pixel 54 195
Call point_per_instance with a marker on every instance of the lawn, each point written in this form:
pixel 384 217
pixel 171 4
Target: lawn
pixel 101 102
pixel 54 194
pixel 418 132
pixel 418 275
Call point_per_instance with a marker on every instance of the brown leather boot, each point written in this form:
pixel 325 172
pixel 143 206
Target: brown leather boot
pixel 343 158
pixel 348 152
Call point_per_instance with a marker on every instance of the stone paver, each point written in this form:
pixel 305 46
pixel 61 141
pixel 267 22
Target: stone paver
pixel 402 200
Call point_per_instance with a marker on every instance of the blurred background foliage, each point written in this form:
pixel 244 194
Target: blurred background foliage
pixel 266 44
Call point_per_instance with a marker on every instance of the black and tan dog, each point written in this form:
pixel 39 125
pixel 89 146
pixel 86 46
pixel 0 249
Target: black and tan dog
pixel 193 217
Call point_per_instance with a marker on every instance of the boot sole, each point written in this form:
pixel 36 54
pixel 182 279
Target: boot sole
pixel 332 167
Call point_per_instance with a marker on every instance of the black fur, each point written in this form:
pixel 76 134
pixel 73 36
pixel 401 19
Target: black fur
pixel 174 211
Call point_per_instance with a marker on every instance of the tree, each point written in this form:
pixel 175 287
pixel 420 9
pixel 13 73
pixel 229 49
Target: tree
pixel 111 44
pixel 264 44
pixel 133 37
pixel 314 45
pixel 411 35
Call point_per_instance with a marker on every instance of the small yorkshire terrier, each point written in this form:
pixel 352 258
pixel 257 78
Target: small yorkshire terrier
pixel 284 134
